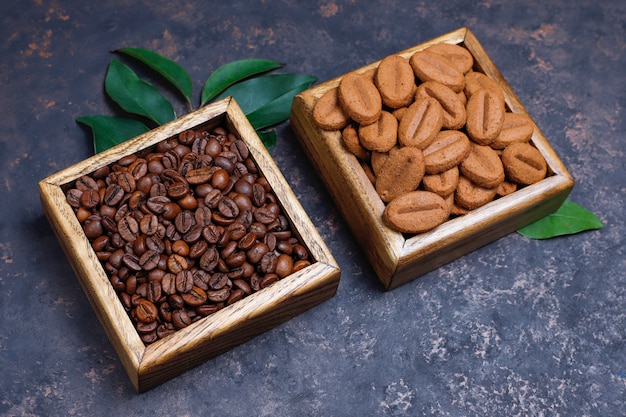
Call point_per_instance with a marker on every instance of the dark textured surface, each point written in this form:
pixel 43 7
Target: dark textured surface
pixel 517 328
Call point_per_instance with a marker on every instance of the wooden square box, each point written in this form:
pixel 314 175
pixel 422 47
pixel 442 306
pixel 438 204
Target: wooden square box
pixel 396 258
pixel 151 365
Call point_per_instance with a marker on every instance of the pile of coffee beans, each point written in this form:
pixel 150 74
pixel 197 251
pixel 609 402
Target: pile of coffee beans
pixel 186 228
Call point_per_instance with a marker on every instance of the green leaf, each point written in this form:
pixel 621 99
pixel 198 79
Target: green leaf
pixel 268 137
pixel 255 93
pixel 168 69
pixel 135 95
pixel 569 219
pixel 233 72
pixel 109 131
pixel 277 110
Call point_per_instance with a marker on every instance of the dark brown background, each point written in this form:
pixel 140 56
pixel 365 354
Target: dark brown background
pixel 517 328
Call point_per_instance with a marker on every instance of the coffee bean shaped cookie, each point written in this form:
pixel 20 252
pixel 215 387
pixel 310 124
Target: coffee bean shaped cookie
pixel 381 135
pixel 350 138
pixel 443 184
pixel 470 196
pixel 416 212
pixel 448 149
pixel 485 116
pixel 420 123
pixel 402 172
pixel 328 113
pixel 461 57
pixel 395 81
pixel 523 163
pixel 360 98
pixel 454 114
pixel 429 66
pixel 483 166
pixel 475 81
pixel 515 128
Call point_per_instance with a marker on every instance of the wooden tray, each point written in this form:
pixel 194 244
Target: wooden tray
pixel 152 365
pixel 395 258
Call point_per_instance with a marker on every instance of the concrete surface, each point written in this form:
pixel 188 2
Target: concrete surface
pixel 517 328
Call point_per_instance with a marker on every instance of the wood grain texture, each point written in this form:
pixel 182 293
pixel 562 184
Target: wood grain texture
pixel 398 259
pixel 150 366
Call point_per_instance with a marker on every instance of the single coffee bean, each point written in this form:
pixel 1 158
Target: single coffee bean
pixel 146 311
pixel 184 281
pixel 149 260
pixel 180 319
pixel 177 263
pixel 128 228
pixel 195 296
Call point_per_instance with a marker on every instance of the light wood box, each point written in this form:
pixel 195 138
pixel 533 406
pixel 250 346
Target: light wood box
pixel 395 258
pixel 150 366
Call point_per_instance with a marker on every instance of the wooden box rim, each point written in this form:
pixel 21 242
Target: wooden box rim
pixel 148 366
pixel 396 258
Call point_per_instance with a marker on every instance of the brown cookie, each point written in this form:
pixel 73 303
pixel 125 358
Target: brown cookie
pixel 328 113
pixel 448 149
pixel 381 135
pixel 523 163
pixel 516 128
pixel 506 188
pixel 460 56
pixel 420 123
pixel 360 98
pixel 483 166
pixel 485 116
pixel 471 196
pixel 395 81
pixel 443 184
pixel 475 81
pixel 416 212
pixel 402 172
pixel 350 138
pixel 429 66
pixel 454 114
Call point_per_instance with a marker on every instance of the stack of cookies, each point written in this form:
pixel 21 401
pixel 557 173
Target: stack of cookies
pixel 434 136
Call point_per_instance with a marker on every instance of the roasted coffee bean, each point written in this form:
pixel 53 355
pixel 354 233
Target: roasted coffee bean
pixel 128 228
pixel 180 319
pixel 228 208
pixel 195 297
pixel 209 259
pixel 73 197
pixel 198 249
pixel 146 311
pixel 176 263
pixel 184 281
pixel 218 296
pixel 149 260
pixel 258 194
pixel 212 233
pixel 93 227
pixel 168 283
pixel 264 215
pixel 256 252
pixel 193 235
pixel 268 280
pixel 170 211
pixel 268 262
